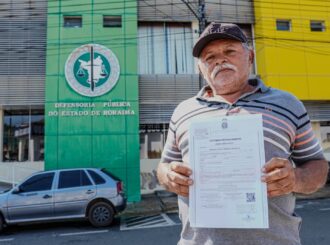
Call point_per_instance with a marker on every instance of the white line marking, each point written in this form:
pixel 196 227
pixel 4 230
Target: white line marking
pixel 7 240
pixel 171 222
pixel 144 220
pixel 142 227
pixel 130 219
pixel 312 203
pixel 324 209
pixel 157 222
pixel 83 233
pixel 161 220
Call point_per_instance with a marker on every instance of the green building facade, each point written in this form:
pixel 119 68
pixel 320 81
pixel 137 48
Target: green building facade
pixel 101 128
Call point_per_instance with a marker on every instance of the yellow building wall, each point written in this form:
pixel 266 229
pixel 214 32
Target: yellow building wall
pixel 297 61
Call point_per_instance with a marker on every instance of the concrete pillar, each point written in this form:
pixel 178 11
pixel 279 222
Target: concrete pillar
pixel 162 140
pixel 317 130
pixel 31 150
pixel 21 149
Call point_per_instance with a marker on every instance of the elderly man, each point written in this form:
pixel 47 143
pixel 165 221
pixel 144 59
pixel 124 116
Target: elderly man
pixel 294 159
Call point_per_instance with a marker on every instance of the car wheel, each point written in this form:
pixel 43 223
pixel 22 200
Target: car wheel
pixel 101 214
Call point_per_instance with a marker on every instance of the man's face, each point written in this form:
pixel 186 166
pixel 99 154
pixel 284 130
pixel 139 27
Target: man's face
pixel 225 64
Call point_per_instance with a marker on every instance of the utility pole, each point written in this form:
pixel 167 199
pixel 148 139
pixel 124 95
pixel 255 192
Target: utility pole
pixel 202 25
pixel 201 16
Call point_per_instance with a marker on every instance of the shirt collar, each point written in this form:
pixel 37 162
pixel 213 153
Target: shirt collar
pixel 206 94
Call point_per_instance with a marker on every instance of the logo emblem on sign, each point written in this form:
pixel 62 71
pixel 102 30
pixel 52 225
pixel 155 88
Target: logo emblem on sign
pixel 92 70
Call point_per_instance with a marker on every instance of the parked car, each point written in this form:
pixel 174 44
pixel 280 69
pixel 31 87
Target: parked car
pixel 65 194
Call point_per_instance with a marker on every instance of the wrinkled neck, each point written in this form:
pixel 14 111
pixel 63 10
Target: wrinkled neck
pixel 233 97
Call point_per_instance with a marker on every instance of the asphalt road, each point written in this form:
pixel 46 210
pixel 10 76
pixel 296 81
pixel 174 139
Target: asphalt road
pixel 144 231
pixel 315 228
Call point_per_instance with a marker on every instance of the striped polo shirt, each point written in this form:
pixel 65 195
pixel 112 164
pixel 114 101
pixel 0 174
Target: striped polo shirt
pixel 287 134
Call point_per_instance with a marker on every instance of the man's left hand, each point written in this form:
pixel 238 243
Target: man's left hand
pixel 279 175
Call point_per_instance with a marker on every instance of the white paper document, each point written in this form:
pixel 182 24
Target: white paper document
pixel 226 157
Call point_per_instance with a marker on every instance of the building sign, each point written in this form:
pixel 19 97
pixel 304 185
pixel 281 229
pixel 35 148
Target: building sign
pixel 108 108
pixel 92 70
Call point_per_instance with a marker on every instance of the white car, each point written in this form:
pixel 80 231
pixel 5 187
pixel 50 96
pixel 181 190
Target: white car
pixel 84 193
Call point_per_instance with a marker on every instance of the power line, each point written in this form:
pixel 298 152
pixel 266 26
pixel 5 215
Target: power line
pixel 191 9
pixel 132 40
pixel 173 18
pixel 207 3
pixel 232 4
pixel 220 2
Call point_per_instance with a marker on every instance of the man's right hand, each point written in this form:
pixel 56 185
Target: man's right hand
pixel 175 177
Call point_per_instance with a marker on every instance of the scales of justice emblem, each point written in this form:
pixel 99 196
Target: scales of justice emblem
pixel 92 70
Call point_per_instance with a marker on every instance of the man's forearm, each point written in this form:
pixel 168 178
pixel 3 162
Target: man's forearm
pixel 310 176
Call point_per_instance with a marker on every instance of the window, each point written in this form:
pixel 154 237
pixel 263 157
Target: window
pixel 40 182
pixel 283 25
pixel 317 25
pixel 23 137
pixel 72 21
pixel 36 147
pixel 98 180
pixel 165 48
pixel 74 178
pixel 111 21
pixel 152 140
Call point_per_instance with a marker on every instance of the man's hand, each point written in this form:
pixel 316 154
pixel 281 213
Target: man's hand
pixel 282 178
pixel 279 175
pixel 175 177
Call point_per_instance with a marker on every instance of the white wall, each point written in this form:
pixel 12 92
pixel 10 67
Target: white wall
pixel 15 172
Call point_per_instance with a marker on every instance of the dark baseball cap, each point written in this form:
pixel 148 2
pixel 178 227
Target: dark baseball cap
pixel 215 31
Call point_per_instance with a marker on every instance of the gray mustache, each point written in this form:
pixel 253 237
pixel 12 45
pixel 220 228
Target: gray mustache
pixel 219 68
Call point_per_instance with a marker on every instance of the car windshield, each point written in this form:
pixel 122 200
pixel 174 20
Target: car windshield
pixel 110 174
